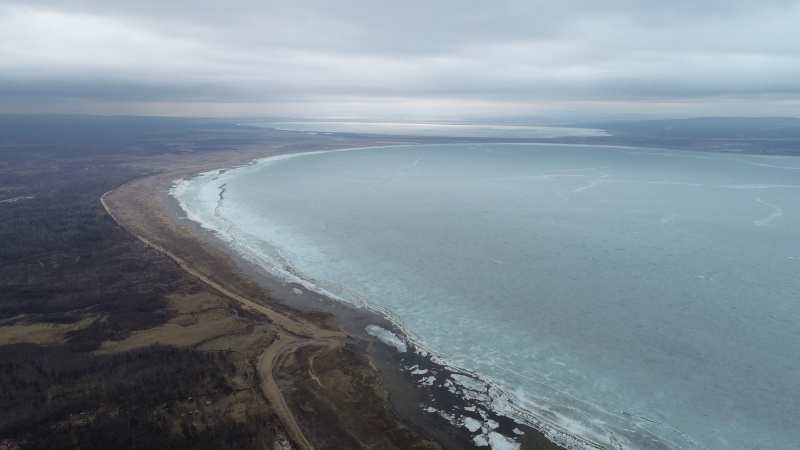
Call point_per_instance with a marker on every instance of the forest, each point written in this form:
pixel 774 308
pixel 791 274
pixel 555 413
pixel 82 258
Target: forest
pixel 63 260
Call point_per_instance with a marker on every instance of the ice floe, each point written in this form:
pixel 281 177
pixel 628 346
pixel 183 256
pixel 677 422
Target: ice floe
pixel 388 338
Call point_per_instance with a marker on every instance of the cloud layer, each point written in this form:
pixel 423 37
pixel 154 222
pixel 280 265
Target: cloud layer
pixel 317 56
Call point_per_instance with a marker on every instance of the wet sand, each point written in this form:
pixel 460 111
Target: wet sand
pixel 322 362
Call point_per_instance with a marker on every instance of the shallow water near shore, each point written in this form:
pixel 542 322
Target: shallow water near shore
pixel 645 298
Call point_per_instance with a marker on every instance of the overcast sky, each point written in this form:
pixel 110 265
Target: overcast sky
pixel 416 58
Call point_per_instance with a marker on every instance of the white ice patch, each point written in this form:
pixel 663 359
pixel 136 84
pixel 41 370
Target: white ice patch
pixel 179 191
pixel 469 383
pixel 448 417
pixel 471 424
pixel 499 442
pixel 487 436
pixel 419 372
pixel 297 291
pixel 388 338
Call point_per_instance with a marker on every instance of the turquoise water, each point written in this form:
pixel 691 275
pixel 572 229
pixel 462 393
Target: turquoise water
pixel 632 297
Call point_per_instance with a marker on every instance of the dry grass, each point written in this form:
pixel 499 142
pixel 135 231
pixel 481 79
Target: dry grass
pixel 201 317
pixel 40 333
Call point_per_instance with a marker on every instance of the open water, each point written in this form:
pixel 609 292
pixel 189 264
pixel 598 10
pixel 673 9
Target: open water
pixel 633 298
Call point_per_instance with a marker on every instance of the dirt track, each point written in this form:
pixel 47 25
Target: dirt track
pixel 292 334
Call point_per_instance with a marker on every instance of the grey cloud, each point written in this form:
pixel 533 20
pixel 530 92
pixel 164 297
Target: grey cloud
pixel 501 51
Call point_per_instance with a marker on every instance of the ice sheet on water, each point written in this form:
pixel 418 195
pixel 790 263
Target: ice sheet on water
pixel 428 381
pixel 470 383
pixel 590 354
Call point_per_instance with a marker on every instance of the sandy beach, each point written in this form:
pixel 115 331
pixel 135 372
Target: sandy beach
pixel 330 382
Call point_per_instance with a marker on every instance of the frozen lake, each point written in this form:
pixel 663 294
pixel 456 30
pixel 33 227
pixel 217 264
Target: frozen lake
pixel 635 297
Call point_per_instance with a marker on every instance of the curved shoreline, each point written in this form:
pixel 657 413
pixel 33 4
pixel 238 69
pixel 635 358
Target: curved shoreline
pixel 209 189
pixel 143 208
pixel 292 332
pixel 479 392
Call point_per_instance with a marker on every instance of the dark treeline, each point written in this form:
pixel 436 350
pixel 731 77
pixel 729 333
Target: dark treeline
pixel 63 399
pixel 63 257
pixel 76 136
pixel 63 260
